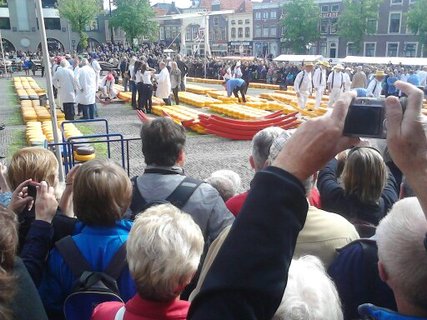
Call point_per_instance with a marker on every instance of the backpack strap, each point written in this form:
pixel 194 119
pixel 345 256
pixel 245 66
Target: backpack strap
pixel 302 79
pixel 72 256
pixel 183 192
pixel 117 263
pixel 138 201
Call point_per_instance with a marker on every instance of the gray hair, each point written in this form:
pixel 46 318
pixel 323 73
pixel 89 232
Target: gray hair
pixel 261 144
pixel 232 176
pixel 64 63
pixel 223 185
pixel 85 62
pixel 310 294
pixel 400 236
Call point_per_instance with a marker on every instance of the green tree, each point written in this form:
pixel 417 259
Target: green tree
pixel 417 22
pixel 79 13
pixel 355 21
pixel 135 18
pixel 300 21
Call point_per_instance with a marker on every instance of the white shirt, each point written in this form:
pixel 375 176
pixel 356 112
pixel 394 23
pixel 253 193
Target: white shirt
pixel 86 85
pixel 347 81
pixel 146 77
pixel 374 89
pixel 303 82
pixel 336 80
pixel 63 80
pixel 163 84
pixel 138 76
pixel 319 78
pixel 423 77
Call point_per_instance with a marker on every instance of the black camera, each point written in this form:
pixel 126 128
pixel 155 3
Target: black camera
pixel 366 118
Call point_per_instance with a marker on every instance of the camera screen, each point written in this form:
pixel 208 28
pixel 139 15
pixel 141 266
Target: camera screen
pixel 364 121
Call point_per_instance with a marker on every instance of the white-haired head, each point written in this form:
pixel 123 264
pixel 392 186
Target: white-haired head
pixel 401 252
pixel 85 62
pixel 64 63
pixel 310 294
pixel 261 144
pixel 231 175
pixel 163 252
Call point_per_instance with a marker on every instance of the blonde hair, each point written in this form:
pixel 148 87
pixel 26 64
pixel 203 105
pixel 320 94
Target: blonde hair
pixel 163 252
pixel 364 174
pixel 102 192
pixel 34 163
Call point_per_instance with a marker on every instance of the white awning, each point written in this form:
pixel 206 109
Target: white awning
pixel 386 60
pixel 298 58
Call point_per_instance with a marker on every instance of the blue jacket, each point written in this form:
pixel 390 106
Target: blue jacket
pixel 233 84
pixel 98 245
pixel 369 311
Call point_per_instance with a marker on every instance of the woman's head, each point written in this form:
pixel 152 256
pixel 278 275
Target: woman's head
pixel 8 238
pixel 163 252
pixel 34 163
pixel 174 65
pixel 364 174
pixel 101 192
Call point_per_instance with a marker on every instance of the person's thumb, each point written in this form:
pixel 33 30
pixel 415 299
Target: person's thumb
pixel 394 115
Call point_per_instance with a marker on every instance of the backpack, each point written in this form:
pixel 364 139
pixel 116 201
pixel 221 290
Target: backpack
pixel 178 197
pixel 91 287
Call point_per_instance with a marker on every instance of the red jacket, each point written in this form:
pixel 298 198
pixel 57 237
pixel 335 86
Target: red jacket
pixel 141 309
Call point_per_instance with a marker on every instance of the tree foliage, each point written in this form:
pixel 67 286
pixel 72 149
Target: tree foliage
pixel 300 21
pixel 135 18
pixel 353 22
pixel 417 22
pixel 79 13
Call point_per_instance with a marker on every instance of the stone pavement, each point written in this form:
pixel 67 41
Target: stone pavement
pixel 204 153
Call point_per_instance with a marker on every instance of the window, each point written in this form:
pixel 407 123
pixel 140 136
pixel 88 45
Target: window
pixel 324 25
pixel 325 8
pixel 370 48
pixel 233 32
pixel 392 49
pixel 394 22
pixel 215 21
pixel 5 23
pixel 93 26
pixel 22 18
pixel 335 8
pixel 3 4
pixel 162 34
pixel 233 21
pixel 396 2
pixel 48 3
pixel 351 50
pixel 265 15
pixel 273 14
pixel 265 31
pixel 257 15
pixel 240 33
pixel 334 25
pixel 371 26
pixel 187 33
pixel 52 23
pixel 258 31
pixel 167 32
pixel 410 49
pixel 247 21
pixel 247 32
pixel 273 32
pixel 240 21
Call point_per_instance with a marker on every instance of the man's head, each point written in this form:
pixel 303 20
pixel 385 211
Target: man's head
pixel 308 66
pixel 163 251
pixel 260 146
pixel 402 255
pixel 162 65
pixel 163 142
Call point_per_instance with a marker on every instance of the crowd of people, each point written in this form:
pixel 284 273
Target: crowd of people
pixel 332 227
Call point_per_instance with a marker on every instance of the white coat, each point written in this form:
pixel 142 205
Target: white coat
pixel 63 80
pixel 374 88
pixel 97 68
pixel 163 84
pixel 86 85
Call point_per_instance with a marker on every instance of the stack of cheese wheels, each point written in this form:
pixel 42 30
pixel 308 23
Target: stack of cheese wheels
pixel 82 151
pixel 34 134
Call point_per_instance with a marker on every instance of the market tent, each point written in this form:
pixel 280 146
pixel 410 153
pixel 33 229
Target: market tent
pixel 386 60
pixel 243 58
pixel 297 58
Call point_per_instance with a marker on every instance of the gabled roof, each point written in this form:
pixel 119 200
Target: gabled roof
pixel 241 6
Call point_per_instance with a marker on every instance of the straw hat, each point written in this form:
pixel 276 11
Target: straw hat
pixel 379 73
pixel 308 64
pixel 324 63
pixel 338 67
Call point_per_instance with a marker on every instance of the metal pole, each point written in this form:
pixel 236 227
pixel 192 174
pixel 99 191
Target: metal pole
pixel 2 52
pixel 52 104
